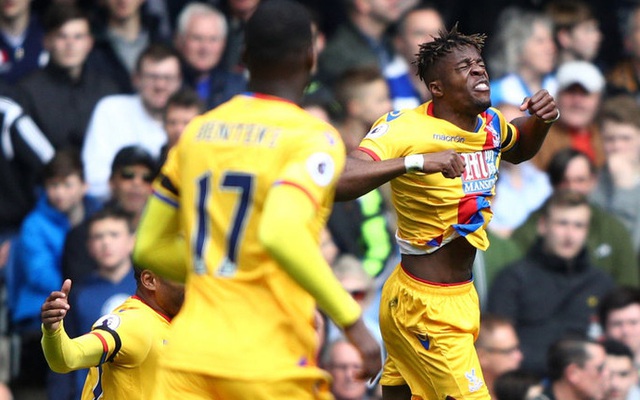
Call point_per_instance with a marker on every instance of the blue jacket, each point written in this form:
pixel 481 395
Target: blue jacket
pixel 36 261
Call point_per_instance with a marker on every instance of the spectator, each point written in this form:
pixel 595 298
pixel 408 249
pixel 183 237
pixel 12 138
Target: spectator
pixel 608 242
pixel 355 280
pixel 498 349
pixel 21 49
pixel 624 77
pixel 360 227
pixel 124 32
pixel 580 89
pixel 577 370
pixel 623 377
pixel 110 243
pixel 416 26
pixel 554 289
pixel 132 171
pixel 343 361
pixel 23 154
pixel 123 120
pixel 182 107
pixel 361 40
pixel 619 315
pixel 521 57
pixel 618 186
pixel 576 30
pixel 35 263
pixel 61 97
pixel 200 39
pixel 519 385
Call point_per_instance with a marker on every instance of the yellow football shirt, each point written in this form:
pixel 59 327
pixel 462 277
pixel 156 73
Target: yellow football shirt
pixel 433 210
pixel 243 315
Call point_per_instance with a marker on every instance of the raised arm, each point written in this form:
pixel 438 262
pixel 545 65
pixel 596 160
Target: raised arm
pixel 533 129
pixel 362 174
pixel 62 353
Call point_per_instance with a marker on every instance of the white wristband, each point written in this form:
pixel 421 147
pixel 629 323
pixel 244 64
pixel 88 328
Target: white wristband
pixel 414 162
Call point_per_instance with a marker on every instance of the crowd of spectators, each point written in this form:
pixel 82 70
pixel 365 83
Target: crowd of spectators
pixel 93 96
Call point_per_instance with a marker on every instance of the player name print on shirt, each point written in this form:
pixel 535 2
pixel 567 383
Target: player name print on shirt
pixel 481 171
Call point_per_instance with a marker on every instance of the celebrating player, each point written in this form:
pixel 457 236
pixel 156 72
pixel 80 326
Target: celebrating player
pixel 442 159
pixel 123 347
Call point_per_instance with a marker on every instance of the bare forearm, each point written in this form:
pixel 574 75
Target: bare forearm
pixel 533 131
pixel 360 177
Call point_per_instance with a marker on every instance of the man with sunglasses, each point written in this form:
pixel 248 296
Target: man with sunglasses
pixel 132 172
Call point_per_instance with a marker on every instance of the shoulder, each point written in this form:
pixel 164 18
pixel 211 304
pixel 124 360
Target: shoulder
pixel 116 102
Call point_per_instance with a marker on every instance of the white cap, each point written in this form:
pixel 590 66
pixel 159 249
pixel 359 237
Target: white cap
pixel 582 73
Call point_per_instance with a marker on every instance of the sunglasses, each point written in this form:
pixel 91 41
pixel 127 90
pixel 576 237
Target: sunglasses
pixel 128 175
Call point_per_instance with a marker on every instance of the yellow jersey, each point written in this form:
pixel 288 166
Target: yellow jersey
pixel 433 210
pixel 243 315
pixel 128 343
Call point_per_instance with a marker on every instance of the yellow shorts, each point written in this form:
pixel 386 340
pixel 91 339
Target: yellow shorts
pixel 429 331
pixel 309 384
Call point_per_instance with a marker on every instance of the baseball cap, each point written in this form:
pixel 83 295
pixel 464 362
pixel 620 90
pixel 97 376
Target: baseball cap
pixel 133 155
pixel 581 73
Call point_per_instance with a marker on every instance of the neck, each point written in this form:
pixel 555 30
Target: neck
pixel 153 112
pixel 75 72
pixel 149 300
pixel 116 274
pixel 562 390
pixel 126 28
pixel 76 214
pixel 14 26
pixel 280 88
pixel 462 121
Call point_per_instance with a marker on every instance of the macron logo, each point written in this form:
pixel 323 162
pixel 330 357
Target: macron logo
pixel 448 138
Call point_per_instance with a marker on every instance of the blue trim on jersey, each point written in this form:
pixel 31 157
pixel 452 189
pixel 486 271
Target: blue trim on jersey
pixel 97 390
pixel 166 199
pixel 393 115
pixel 494 120
pixel 476 221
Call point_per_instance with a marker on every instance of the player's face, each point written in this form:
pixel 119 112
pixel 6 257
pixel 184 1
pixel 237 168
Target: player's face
pixel 110 242
pixel 157 81
pixel 176 119
pixel 622 376
pixel 65 194
pixel 203 42
pixel 70 45
pixel 465 80
pixel 623 324
pixel 131 187
pixel 565 230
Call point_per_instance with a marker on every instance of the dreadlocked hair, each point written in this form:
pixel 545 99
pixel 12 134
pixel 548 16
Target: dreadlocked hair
pixel 432 52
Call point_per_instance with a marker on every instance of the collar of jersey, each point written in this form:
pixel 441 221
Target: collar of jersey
pixel 135 296
pixel 267 97
pixel 479 123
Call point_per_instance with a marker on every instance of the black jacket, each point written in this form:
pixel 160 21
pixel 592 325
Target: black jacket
pixel 547 297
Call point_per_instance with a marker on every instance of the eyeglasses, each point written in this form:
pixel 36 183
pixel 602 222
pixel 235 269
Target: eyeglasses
pixel 506 351
pixel 128 175
pixel 358 294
